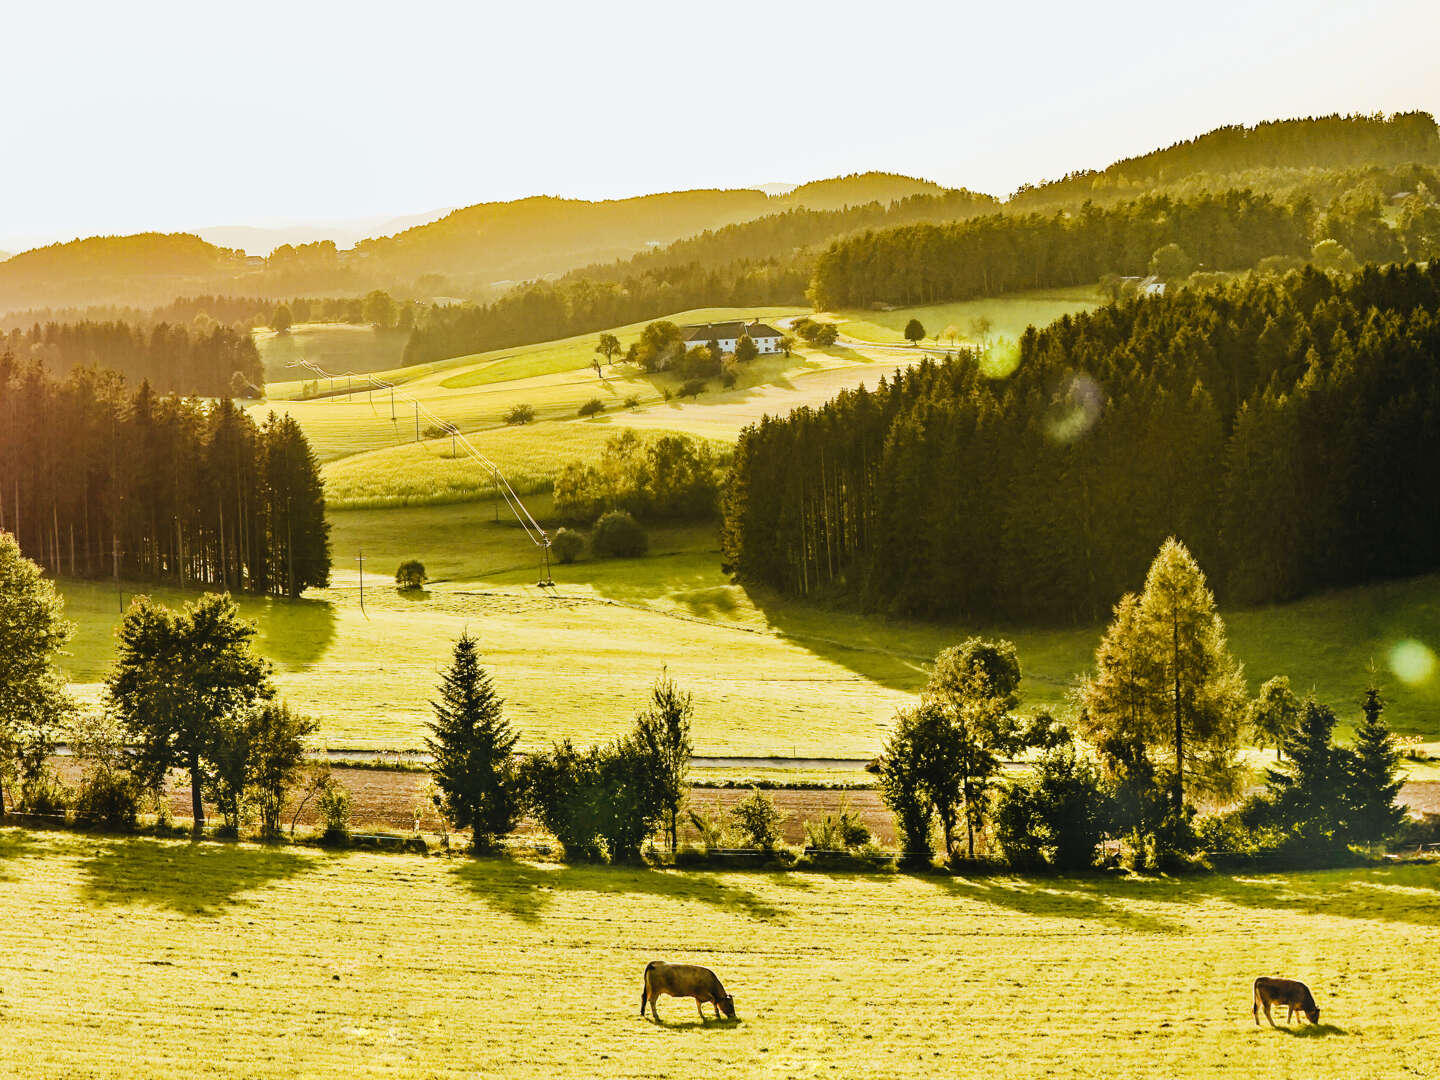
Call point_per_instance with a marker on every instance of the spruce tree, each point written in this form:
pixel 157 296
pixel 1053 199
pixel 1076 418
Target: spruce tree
pixel 1309 791
pixel 1375 778
pixel 473 746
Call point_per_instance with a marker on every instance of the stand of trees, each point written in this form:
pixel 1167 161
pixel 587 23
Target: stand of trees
pixel 1285 427
pixel 97 482
pixel 210 361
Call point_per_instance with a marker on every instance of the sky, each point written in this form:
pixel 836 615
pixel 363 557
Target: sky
pixel 166 116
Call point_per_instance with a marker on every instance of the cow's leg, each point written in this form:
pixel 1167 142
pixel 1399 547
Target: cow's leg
pixel 1264 1002
pixel 644 996
pixel 1290 1016
pixel 699 1008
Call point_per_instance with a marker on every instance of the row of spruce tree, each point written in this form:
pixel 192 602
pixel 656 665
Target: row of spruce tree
pixel 1285 427
pixel 98 481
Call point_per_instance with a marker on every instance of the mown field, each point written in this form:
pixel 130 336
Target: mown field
pixel 1009 315
pixel 769 676
pixel 146 957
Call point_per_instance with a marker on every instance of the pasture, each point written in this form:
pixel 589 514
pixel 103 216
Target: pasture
pixel 770 676
pixel 230 960
pixel 334 346
pixel 1009 315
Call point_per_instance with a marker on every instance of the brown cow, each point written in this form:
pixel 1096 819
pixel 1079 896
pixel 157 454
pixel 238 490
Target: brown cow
pixel 1287 992
pixel 684 980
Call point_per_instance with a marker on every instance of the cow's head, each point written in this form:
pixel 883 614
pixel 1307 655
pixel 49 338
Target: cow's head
pixel 727 1006
pixel 1313 1015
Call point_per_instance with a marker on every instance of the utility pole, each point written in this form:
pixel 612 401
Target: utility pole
pixel 115 564
pixel 392 404
pixel 361 560
pixel 417 421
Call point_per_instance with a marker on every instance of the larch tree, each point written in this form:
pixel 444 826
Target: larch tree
pixel 34 704
pixel 1165 679
pixel 473 748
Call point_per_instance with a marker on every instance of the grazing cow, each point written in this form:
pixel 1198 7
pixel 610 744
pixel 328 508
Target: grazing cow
pixel 1287 992
pixel 684 980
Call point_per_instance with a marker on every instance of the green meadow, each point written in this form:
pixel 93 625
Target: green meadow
pixel 208 959
pixel 333 346
pixel 1009 315
pixel 770 676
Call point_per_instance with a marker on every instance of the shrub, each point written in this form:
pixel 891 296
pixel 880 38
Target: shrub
pixel 520 414
pixel 727 378
pixel 632 402
pixel 618 535
pixel 592 407
pixel 1058 817
pixel 711 828
pixel 111 799
pixel 334 806
pixel 692 388
pixel 756 821
pixel 841 830
pixel 411 574
pixel 41 792
pixel 440 431
pixel 568 545
pixel 561 788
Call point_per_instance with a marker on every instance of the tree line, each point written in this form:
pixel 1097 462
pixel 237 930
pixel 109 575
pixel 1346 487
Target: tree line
pixel 1159 723
pixel 1329 143
pixel 1158 726
pixel 209 361
pixel 97 481
pixel 1284 426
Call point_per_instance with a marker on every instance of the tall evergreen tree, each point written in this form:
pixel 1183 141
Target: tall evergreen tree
pixel 1274 713
pixel 1309 791
pixel 473 750
pixel 1375 778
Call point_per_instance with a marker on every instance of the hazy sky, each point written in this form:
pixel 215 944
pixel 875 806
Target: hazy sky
pixel 151 115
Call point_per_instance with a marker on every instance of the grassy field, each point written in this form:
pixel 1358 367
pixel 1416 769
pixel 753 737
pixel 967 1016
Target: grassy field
pixel 334 346
pixel 429 471
pixel 1009 315
pixel 769 676
pixel 143 957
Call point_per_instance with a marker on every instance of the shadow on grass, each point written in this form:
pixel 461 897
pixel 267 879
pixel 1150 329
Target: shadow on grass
pixel 194 879
pixel 524 890
pixel 1396 894
pixel 297 633
pixel 1313 1031
pixel 1058 898
pixel 15 843
pixel 696 1024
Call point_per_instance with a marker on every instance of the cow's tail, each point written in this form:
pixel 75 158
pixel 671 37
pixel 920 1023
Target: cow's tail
pixel 645 986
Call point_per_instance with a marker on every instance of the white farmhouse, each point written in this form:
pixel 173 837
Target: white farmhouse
pixel 766 338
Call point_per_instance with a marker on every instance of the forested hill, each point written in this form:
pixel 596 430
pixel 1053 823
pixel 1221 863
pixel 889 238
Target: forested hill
pixel 762 262
pixel 1284 428
pixel 539 236
pixel 466 252
pixel 145 269
pixel 1334 143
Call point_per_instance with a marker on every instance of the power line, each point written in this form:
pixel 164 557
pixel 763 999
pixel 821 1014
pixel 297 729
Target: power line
pixel 527 521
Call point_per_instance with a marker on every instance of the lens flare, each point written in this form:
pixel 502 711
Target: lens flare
pixel 1413 662
pixel 1075 409
pixel 1000 359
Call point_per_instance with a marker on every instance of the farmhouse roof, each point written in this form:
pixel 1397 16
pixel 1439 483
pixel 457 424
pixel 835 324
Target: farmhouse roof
pixel 727 331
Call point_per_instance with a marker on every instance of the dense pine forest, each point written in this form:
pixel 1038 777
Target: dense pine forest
pixel 1232 230
pixel 208 359
pixel 1288 429
pixel 1330 143
pixel 97 481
